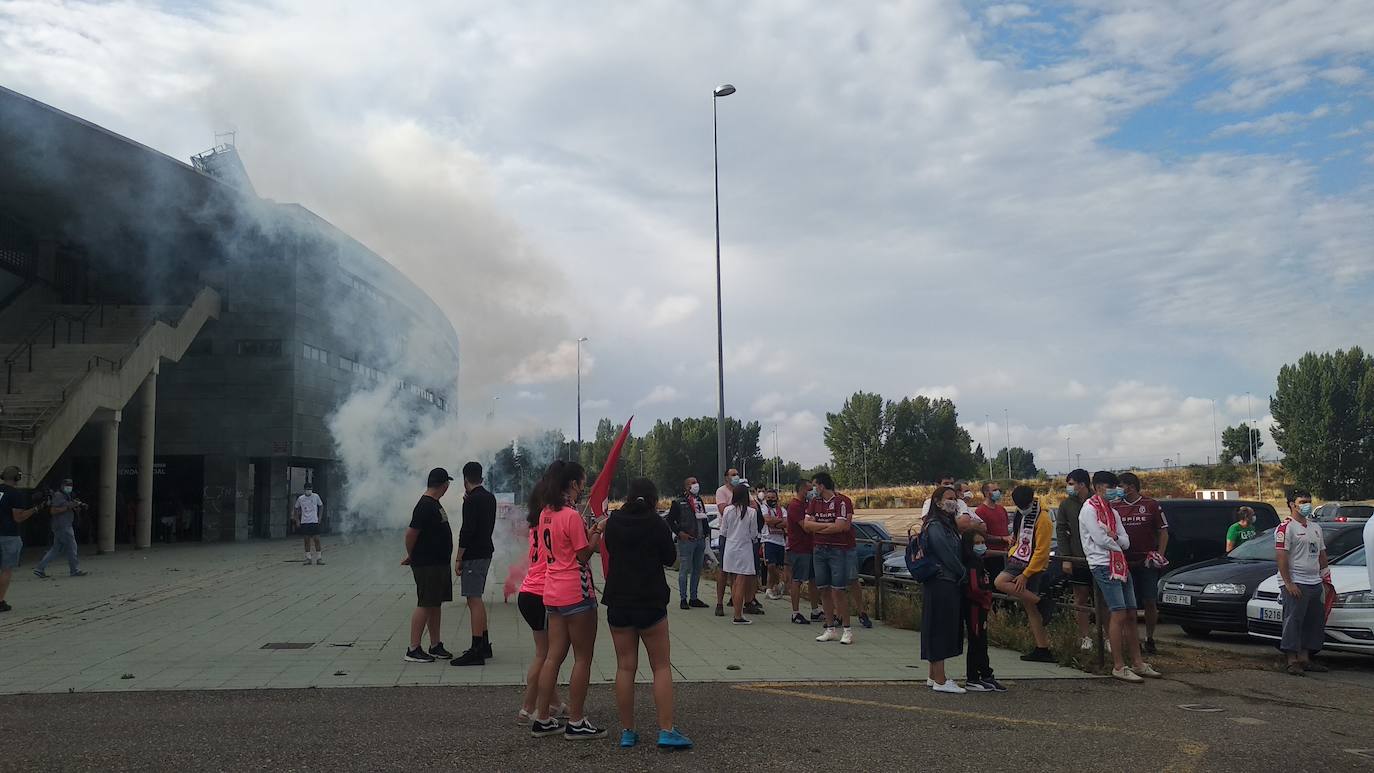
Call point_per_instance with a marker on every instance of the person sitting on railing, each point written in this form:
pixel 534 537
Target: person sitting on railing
pixel 1026 564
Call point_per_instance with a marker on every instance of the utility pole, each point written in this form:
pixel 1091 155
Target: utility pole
pixel 1006 415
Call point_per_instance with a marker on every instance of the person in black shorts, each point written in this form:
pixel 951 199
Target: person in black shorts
pixel 473 561
pixel 429 547
pixel 640 545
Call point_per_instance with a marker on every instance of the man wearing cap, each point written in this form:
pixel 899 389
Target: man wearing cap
pixel 15 508
pixel 429 547
pixel 63 509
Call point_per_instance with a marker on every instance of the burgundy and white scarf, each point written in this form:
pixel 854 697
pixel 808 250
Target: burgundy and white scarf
pixel 1106 516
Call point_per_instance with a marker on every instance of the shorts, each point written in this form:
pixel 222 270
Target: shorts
pixel 1117 595
pixel 638 618
pixel 10 550
pixel 433 585
pixel 1013 568
pixel 774 554
pixel 831 565
pixel 472 582
pixel 587 604
pixel 531 606
pixel 1146 582
pixel 310 529
pixel 802 570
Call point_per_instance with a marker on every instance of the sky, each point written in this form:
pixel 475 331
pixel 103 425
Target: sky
pixel 1092 224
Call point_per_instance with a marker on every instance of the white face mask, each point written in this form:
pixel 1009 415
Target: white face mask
pixel 695 488
pixel 949 505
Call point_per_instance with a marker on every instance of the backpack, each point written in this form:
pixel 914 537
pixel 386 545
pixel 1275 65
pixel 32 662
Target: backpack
pixel 919 560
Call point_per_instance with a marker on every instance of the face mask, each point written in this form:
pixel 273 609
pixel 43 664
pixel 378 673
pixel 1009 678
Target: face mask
pixel 734 481
pixel 979 550
pixel 1070 491
pixel 949 505
pixel 695 488
pixel 772 503
pixel 1305 509
pixel 1115 494
pixel 812 494
pixel 66 489
pixel 996 497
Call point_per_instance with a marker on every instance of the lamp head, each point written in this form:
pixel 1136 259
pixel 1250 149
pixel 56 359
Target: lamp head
pixel 724 90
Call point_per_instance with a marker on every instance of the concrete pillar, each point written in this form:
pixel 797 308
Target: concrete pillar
pixel 143 527
pixel 280 498
pixel 109 477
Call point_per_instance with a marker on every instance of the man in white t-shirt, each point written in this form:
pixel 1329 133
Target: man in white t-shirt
pixel 306 514
pixel 774 543
pixel 1301 553
pixel 724 495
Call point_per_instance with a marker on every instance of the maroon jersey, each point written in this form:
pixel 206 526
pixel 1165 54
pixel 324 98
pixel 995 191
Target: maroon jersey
pixel 798 539
pixel 839 508
pixel 1143 519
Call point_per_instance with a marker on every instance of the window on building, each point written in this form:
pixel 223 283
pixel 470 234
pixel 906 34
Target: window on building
pixel 258 347
pixel 316 354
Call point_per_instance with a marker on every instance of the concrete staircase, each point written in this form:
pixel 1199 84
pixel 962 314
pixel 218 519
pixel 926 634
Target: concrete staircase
pixel 84 359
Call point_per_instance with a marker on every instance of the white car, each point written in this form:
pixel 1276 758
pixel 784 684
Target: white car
pixel 1351 625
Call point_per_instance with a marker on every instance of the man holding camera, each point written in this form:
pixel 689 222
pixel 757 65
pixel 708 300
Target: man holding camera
pixel 15 508
pixel 63 509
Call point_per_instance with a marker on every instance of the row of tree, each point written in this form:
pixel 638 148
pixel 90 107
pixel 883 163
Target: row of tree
pixel 1323 409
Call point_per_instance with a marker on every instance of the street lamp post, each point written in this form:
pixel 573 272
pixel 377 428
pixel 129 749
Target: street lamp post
pixel 720 91
pixel 580 341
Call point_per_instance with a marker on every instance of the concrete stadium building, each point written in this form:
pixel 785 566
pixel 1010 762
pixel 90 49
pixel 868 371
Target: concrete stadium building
pixel 175 343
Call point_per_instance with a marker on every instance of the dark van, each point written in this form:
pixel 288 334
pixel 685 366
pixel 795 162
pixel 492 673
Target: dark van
pixel 1197 527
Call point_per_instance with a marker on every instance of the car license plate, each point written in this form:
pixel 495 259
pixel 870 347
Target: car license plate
pixel 1182 599
pixel 1275 615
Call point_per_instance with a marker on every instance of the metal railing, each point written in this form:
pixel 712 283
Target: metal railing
pixel 50 325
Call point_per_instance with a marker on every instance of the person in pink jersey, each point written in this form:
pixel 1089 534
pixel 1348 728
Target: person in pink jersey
pixel 566 544
pixel 530 602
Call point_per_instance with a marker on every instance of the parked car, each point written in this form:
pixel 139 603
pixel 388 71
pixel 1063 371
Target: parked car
pixel 1343 512
pixel 1350 628
pixel 1197 527
pixel 872 530
pixel 1211 595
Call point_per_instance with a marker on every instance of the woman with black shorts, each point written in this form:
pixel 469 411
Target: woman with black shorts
pixel 531 605
pixel 640 545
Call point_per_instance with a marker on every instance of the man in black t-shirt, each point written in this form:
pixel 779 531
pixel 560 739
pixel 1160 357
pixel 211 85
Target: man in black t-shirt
pixel 473 561
pixel 15 508
pixel 429 546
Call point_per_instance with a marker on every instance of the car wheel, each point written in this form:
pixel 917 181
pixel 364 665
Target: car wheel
pixel 1196 631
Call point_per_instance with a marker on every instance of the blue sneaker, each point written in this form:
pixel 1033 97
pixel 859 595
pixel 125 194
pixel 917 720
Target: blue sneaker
pixel 628 738
pixel 673 740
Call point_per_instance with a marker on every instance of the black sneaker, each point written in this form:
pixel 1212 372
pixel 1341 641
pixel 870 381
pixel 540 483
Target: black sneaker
pixel 720 611
pixel 993 683
pixel 583 731
pixel 800 619
pixel 1039 655
pixel 439 652
pixel 540 729
pixel 864 620
pixel 1150 647
pixel 684 605
pixel 698 604
pixel 753 607
pixel 472 657
pixel 817 615
pixel 486 649
pixel 40 574
pixel 5 607
pixel 418 655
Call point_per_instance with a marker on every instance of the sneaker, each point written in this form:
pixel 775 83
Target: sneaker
pixel 319 561
pixel 308 562
pixel 628 738
pixel 753 607
pixel 772 596
pixel 1125 674
pixel 994 684
pixel 673 740
pixel 546 727
pixel 800 619
pixel 472 657
pixel 418 655
pixel 847 637
pixel 1086 644
pixel 720 611
pixel 79 573
pixel 950 686
pixel 1150 647
pixel 560 712
pixel 583 731
pixel 817 615
pixel 486 649
pixel 1148 671
pixel 1315 667
pixel 5 607
pixel 865 620
pixel 830 634
pixel 439 652
pixel 40 574
pixel 974 685
pixel 684 605
pixel 1039 655
pixel 742 621
pixel 1107 645
pixel 1295 669
pixel 698 604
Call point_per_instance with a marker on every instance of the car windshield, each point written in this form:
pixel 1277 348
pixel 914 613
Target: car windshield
pixel 1259 547
pixel 1356 558
pixel 1355 511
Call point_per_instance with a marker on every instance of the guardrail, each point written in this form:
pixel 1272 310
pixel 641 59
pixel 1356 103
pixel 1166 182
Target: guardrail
pixel 25 347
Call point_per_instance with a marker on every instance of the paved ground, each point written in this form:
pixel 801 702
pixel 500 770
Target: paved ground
pixel 196 617
pixel 1252 721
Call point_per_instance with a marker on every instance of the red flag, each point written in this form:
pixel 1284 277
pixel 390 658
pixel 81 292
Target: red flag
pixel 600 495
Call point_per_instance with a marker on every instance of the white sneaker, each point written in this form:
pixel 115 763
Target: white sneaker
pixel 950 686
pixel 1125 674
pixel 1086 644
pixel 1148 671
pixel 830 634
pixel 309 560
pixel 1107 645
pixel 771 595
pixel 847 637
pixel 319 561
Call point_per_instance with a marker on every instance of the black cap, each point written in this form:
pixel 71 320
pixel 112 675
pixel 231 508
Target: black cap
pixel 438 477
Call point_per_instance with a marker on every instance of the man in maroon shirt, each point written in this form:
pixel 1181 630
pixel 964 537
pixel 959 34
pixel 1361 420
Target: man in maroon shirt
pixel 998 522
pixel 1148 531
pixel 799 567
pixel 830 520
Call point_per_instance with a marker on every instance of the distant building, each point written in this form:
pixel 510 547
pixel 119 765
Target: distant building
pixel 135 286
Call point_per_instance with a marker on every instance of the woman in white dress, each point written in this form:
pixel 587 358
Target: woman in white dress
pixel 740 525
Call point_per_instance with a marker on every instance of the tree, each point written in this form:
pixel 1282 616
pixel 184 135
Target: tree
pixel 1022 463
pixel 924 441
pixel 1323 409
pixel 1240 442
pixel 980 460
pixel 854 436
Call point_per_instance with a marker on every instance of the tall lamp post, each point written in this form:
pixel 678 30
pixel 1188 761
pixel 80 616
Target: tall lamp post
pixel 720 91
pixel 580 341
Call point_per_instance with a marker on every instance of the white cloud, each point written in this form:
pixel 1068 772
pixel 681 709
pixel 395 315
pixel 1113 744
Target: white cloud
pixel 1004 12
pixel 948 392
pixel 595 405
pixel 1274 123
pixel 554 364
pixel 1075 389
pixel 1347 75
pixel 769 403
pixel 658 395
pixel 525 394
pixel 673 308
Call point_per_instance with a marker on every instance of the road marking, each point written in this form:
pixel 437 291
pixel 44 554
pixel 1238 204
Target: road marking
pixel 1249 721
pixel 1190 751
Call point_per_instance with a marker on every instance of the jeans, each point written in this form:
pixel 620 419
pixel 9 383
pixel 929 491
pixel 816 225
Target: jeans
pixel 63 542
pixel 691 558
pixel 1118 595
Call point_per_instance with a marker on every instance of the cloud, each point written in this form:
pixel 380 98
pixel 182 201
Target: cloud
pixel 672 309
pixel 525 394
pixel 948 392
pixel 1347 75
pixel 769 403
pixel 658 395
pixel 554 364
pixel 595 405
pixel 1002 13
pixel 1075 389
pixel 1275 123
